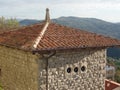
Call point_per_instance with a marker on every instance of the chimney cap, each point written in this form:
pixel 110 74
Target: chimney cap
pixel 47 18
pixel 47 9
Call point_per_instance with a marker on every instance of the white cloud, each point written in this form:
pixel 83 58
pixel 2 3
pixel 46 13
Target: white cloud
pixel 104 9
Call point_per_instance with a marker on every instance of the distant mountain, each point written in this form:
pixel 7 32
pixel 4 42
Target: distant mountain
pixel 92 25
pixel 28 22
pixel 118 23
pixel 89 24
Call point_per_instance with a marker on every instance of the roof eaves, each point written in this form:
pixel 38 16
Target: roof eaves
pixel 18 48
pixel 68 48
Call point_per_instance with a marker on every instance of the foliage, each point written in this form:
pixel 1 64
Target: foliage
pixel 8 24
pixel 117 75
pixel 116 63
pixel 111 61
pixel 1 87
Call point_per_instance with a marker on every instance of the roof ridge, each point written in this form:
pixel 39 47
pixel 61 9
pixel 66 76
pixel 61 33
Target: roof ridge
pixel 41 34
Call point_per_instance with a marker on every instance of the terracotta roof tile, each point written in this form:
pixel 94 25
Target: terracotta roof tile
pixel 111 85
pixel 55 37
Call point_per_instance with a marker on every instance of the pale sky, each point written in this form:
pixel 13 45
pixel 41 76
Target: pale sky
pixel 108 10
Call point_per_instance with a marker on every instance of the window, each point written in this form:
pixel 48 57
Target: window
pixel 76 69
pixel 69 70
pixel 83 68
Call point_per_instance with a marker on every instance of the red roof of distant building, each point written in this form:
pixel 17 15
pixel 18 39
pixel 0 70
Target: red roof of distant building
pixel 111 85
pixel 55 37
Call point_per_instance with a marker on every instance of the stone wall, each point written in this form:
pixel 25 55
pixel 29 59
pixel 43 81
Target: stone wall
pixel 90 74
pixel 19 69
pixel 42 74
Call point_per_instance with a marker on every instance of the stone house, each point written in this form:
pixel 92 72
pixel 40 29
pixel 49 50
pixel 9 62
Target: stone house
pixel 49 56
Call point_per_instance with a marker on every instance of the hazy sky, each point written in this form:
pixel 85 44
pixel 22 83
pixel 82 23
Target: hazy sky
pixel 35 9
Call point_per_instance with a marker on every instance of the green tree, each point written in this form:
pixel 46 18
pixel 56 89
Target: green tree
pixel 2 22
pixel 110 61
pixel 12 23
pixel 8 24
pixel 0 87
pixel 117 75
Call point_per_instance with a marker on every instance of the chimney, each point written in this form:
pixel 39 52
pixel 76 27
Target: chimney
pixel 47 18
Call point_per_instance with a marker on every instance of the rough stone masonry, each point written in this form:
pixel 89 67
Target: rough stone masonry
pixel 74 70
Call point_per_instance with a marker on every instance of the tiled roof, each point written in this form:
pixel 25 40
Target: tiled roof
pixel 55 37
pixel 111 85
